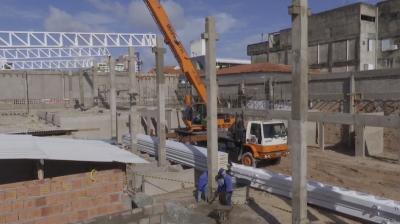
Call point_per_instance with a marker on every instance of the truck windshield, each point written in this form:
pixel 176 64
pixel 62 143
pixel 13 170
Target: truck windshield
pixel 274 130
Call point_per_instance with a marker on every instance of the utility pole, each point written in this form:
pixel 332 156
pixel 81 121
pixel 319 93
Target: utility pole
pixel 297 126
pixel 113 99
pixel 212 93
pixel 133 116
pixel 159 52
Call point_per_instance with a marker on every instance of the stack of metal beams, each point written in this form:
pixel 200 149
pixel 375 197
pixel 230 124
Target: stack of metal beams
pixel 185 154
pixel 356 204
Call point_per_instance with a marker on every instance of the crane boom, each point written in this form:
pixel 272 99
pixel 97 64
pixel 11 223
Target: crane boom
pixel 176 46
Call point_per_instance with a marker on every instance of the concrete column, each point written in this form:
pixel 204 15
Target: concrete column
pixel 271 93
pixel 70 86
pixel 359 141
pixel 397 131
pixel 321 135
pixel 351 105
pixel 81 89
pixel 212 93
pixel 27 93
pixel 94 84
pixel 298 124
pixel 159 52
pixel 134 118
pixel 113 99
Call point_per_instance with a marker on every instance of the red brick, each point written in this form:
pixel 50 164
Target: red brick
pixel 18 205
pixel 11 217
pixel 103 210
pixel 2 195
pixel 83 215
pixel 57 198
pixel 6 207
pixel 52 210
pixel 29 203
pixel 10 194
pixel 44 189
pixel 39 202
pixel 81 204
pixel 29 214
pixel 76 184
pixel 114 197
pixel 58 219
pixel 34 190
pixel 22 192
pixel 56 186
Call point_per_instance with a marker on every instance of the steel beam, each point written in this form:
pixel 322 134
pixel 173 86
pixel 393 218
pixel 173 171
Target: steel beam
pixel 27 39
pixel 43 53
pixel 46 64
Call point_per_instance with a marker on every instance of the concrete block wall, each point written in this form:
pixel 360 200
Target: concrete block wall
pixel 64 199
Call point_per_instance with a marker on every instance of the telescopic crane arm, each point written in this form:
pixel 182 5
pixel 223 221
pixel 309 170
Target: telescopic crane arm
pixel 176 46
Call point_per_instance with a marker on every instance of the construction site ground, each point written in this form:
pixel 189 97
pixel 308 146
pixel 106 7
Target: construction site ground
pixel 379 176
pixel 261 208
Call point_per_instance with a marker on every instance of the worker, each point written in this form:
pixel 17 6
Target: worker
pixel 225 188
pixel 202 187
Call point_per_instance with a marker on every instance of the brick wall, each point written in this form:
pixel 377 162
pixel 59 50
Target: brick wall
pixel 63 199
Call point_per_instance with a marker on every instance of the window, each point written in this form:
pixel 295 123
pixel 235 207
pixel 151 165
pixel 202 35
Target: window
pixel 368 18
pixel 255 130
pixel 274 130
pixel 371 44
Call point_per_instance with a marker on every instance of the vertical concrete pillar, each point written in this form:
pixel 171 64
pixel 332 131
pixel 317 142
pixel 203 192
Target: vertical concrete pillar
pixel 359 141
pixel 298 124
pixel 134 118
pixel 113 99
pixel 271 93
pixel 321 135
pixel 397 131
pixel 27 93
pixel 81 89
pixel 70 86
pixel 351 106
pixel 94 84
pixel 210 36
pixel 159 52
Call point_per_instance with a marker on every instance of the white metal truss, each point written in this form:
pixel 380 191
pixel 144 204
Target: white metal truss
pixel 23 39
pixel 47 64
pixel 41 53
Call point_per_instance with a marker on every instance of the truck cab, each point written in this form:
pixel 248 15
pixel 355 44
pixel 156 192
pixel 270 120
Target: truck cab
pixel 264 140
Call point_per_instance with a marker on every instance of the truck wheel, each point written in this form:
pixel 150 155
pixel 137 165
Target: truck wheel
pixel 276 161
pixel 248 159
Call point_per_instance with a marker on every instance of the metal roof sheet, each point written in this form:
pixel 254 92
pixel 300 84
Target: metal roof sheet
pixel 29 147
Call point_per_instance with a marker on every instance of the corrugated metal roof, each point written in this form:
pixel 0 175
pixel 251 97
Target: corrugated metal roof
pixel 29 147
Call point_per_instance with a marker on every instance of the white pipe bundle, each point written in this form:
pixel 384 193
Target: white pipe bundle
pixel 185 154
pixel 356 204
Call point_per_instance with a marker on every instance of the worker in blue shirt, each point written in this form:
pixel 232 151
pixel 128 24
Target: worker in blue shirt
pixel 225 188
pixel 202 187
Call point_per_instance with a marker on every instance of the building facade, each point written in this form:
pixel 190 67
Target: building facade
pixel 355 37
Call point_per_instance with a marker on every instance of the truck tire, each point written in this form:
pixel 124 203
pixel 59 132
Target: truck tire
pixel 275 161
pixel 248 159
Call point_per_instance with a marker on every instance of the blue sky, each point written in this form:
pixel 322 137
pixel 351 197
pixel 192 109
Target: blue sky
pixel 239 22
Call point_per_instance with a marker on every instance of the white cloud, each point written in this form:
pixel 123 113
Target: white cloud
pixel 59 20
